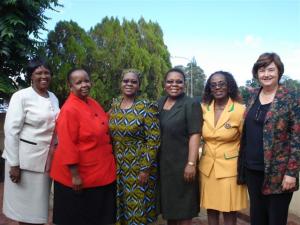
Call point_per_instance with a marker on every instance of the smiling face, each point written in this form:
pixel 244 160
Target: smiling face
pixel 174 84
pixel 130 84
pixel 80 84
pixel 40 79
pixel 218 86
pixel 268 76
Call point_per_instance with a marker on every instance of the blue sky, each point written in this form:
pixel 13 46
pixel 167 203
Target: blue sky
pixel 220 34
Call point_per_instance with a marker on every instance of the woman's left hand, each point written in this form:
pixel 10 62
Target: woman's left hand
pixel 288 182
pixel 15 174
pixel 189 173
pixel 143 177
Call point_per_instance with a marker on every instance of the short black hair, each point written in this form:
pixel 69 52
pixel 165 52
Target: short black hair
pixel 175 69
pixel 33 64
pixel 73 70
pixel 232 88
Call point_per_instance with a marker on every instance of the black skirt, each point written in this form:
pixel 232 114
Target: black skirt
pixel 90 206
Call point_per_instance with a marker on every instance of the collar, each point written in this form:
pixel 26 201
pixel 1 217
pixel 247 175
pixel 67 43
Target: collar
pixel 229 105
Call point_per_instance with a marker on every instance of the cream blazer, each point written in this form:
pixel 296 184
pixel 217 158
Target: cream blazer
pixel 28 129
pixel 221 142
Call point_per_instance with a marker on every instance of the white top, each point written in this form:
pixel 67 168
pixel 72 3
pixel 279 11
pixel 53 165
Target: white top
pixel 28 129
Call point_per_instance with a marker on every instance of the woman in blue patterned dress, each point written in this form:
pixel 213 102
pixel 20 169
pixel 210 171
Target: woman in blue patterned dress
pixel 136 137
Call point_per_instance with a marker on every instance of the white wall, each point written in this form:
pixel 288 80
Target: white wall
pixel 295 203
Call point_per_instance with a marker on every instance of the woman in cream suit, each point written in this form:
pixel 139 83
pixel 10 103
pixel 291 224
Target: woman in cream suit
pixel 222 115
pixel 28 129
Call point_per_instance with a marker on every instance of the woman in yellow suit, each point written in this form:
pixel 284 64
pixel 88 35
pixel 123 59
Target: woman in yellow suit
pixel 222 125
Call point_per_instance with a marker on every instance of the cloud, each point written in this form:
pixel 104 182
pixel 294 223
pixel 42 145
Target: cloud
pixel 252 41
pixel 249 41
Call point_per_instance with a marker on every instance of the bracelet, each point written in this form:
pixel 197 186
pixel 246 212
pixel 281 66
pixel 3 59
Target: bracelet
pixel 191 163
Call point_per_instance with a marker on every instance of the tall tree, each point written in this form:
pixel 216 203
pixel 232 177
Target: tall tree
pixel 195 78
pixel 69 46
pixel 19 37
pixel 107 49
pixel 111 45
pixel 136 45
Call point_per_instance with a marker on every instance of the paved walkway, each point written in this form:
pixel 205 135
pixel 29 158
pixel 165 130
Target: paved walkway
pixel 201 220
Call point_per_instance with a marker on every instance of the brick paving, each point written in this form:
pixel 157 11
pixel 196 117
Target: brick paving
pixel 243 217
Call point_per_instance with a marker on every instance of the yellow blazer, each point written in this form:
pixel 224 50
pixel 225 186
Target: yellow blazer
pixel 221 142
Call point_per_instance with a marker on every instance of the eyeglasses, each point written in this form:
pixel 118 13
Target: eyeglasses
pixel 174 81
pixel 126 81
pixel 216 85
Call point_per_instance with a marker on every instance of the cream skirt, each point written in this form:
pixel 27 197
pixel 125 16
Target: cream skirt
pixel 28 200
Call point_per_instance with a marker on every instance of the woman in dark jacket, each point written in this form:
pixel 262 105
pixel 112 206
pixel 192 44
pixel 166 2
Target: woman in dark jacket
pixel 181 123
pixel 269 160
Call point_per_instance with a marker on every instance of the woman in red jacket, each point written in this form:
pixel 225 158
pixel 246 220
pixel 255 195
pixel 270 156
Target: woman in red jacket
pixel 83 166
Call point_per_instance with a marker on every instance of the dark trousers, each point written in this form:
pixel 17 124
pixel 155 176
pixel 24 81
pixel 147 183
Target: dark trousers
pixel 90 206
pixel 266 209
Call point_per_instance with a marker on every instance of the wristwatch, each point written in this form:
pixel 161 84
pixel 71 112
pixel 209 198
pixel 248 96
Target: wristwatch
pixel 191 163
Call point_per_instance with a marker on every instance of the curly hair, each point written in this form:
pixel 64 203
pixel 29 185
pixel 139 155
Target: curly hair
pixel 232 88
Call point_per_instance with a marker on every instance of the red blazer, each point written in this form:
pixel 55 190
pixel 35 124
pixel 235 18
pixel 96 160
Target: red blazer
pixel 83 139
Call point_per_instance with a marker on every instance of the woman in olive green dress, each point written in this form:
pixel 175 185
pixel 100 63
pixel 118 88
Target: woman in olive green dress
pixel 181 124
pixel 135 132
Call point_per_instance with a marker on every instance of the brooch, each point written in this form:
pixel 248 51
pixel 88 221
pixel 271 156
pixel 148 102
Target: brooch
pixel 227 125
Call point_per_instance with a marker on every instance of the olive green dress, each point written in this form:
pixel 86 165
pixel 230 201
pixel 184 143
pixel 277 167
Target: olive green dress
pixel 178 199
pixel 136 137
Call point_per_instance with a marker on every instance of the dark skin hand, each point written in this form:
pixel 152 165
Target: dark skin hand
pixel 77 183
pixel 190 170
pixel 189 173
pixel 143 177
pixel 15 174
pixel 76 179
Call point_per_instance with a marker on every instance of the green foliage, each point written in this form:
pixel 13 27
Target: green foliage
pixel 290 83
pixel 105 50
pixel 285 81
pixel 195 78
pixel 68 46
pixel 19 20
pixel 198 78
pixel 253 83
pixel 245 90
pixel 6 88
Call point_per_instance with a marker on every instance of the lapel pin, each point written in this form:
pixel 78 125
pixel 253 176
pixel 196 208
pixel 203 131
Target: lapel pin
pixel 227 125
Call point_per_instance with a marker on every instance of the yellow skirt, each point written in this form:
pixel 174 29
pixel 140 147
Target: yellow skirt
pixel 222 194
